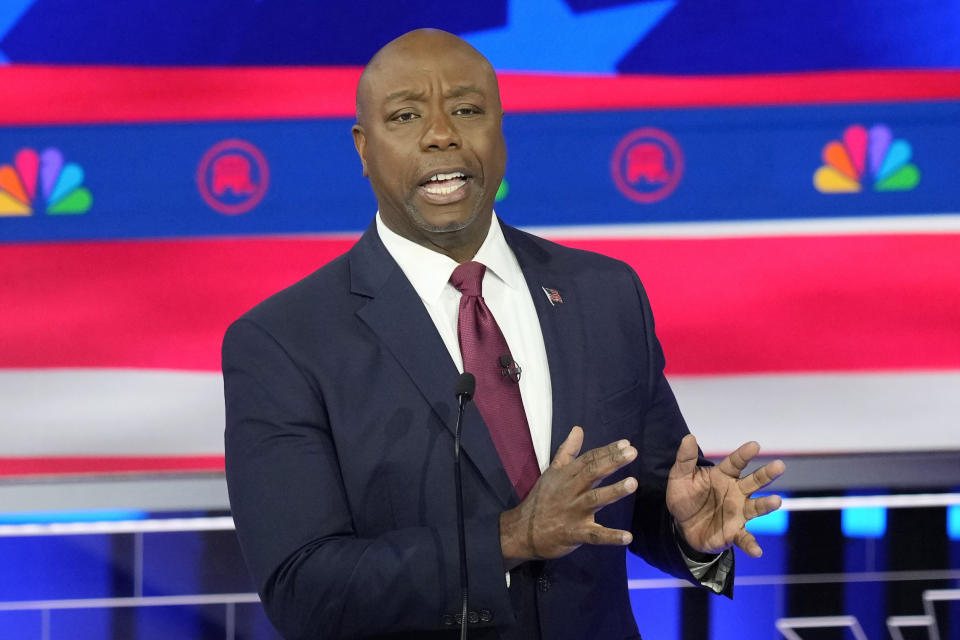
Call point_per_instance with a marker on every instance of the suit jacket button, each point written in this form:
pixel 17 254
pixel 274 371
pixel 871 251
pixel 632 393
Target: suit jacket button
pixel 473 617
pixel 447 619
pixel 543 583
pixel 485 615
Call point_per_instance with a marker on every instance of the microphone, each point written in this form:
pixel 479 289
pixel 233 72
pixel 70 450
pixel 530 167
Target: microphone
pixel 466 385
pixel 506 364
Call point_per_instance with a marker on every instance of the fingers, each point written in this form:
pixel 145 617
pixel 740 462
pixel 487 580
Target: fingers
pixel 756 507
pixel 687 455
pixel 599 497
pixel 748 543
pixel 569 449
pixel 597 464
pixel 734 464
pixel 762 476
pixel 598 534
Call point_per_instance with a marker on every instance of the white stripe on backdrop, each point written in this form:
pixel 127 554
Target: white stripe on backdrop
pixel 78 412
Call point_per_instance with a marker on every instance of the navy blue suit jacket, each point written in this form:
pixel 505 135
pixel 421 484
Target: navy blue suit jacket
pixel 339 448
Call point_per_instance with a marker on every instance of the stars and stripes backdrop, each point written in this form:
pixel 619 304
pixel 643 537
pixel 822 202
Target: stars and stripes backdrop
pixel 785 181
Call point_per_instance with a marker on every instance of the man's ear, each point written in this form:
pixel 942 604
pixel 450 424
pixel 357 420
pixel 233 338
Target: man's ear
pixel 360 142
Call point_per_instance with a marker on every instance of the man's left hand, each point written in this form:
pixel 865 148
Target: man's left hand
pixel 711 505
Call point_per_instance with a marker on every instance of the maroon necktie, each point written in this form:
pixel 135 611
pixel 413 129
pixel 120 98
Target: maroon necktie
pixel 497 396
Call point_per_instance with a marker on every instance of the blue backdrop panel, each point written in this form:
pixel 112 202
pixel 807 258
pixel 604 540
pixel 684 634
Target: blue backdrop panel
pixel 739 164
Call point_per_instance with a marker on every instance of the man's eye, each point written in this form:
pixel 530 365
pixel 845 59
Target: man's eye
pixel 467 111
pixel 406 116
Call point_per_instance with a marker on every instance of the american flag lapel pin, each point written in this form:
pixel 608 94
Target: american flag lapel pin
pixel 553 296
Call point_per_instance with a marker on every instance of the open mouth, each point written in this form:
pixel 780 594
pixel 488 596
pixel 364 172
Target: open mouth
pixel 445 187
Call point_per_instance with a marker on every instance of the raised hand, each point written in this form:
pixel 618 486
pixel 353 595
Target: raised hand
pixel 711 505
pixel 557 516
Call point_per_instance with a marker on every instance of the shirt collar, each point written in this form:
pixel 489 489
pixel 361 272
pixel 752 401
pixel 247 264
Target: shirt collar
pixel 429 271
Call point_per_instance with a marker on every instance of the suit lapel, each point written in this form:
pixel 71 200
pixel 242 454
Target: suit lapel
pixel 562 327
pixel 397 316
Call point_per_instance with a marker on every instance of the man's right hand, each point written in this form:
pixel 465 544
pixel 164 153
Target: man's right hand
pixel 557 516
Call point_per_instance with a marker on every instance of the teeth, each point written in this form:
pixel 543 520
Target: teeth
pixel 442 189
pixel 446 176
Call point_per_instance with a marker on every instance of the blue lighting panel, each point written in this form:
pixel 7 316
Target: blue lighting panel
pixel 87 515
pixel 953 521
pixel 657 612
pixel 864 522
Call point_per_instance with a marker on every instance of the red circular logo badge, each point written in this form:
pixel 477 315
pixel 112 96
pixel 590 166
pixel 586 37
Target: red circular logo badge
pixel 233 177
pixel 647 165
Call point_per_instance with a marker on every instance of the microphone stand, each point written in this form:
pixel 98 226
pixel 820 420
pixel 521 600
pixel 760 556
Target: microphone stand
pixel 466 385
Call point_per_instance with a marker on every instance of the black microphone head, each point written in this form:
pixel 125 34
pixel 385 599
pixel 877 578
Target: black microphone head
pixel 505 360
pixel 466 385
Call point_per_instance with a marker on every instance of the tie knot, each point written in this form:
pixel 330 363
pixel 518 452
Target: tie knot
pixel 468 278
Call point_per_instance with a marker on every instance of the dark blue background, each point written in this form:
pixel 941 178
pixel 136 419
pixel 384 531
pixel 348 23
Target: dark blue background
pixel 694 36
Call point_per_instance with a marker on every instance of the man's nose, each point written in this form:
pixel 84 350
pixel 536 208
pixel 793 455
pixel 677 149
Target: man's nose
pixel 440 134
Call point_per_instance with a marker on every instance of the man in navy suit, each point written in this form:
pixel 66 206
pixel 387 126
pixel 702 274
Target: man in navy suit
pixel 340 405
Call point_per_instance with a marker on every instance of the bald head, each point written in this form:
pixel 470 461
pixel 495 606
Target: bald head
pixel 420 47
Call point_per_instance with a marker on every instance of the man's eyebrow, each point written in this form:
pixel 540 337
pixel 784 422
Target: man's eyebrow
pixel 463 89
pixel 456 92
pixel 405 94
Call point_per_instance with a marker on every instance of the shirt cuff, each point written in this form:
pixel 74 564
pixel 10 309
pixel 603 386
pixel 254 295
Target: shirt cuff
pixel 714 574
pixel 711 572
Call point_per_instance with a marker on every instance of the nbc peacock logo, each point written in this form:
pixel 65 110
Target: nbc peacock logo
pixel 866 159
pixel 42 182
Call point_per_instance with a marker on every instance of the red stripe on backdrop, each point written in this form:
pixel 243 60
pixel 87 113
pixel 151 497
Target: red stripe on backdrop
pixel 723 305
pixel 39 94
pixel 151 304
pixel 802 304
pixel 66 466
